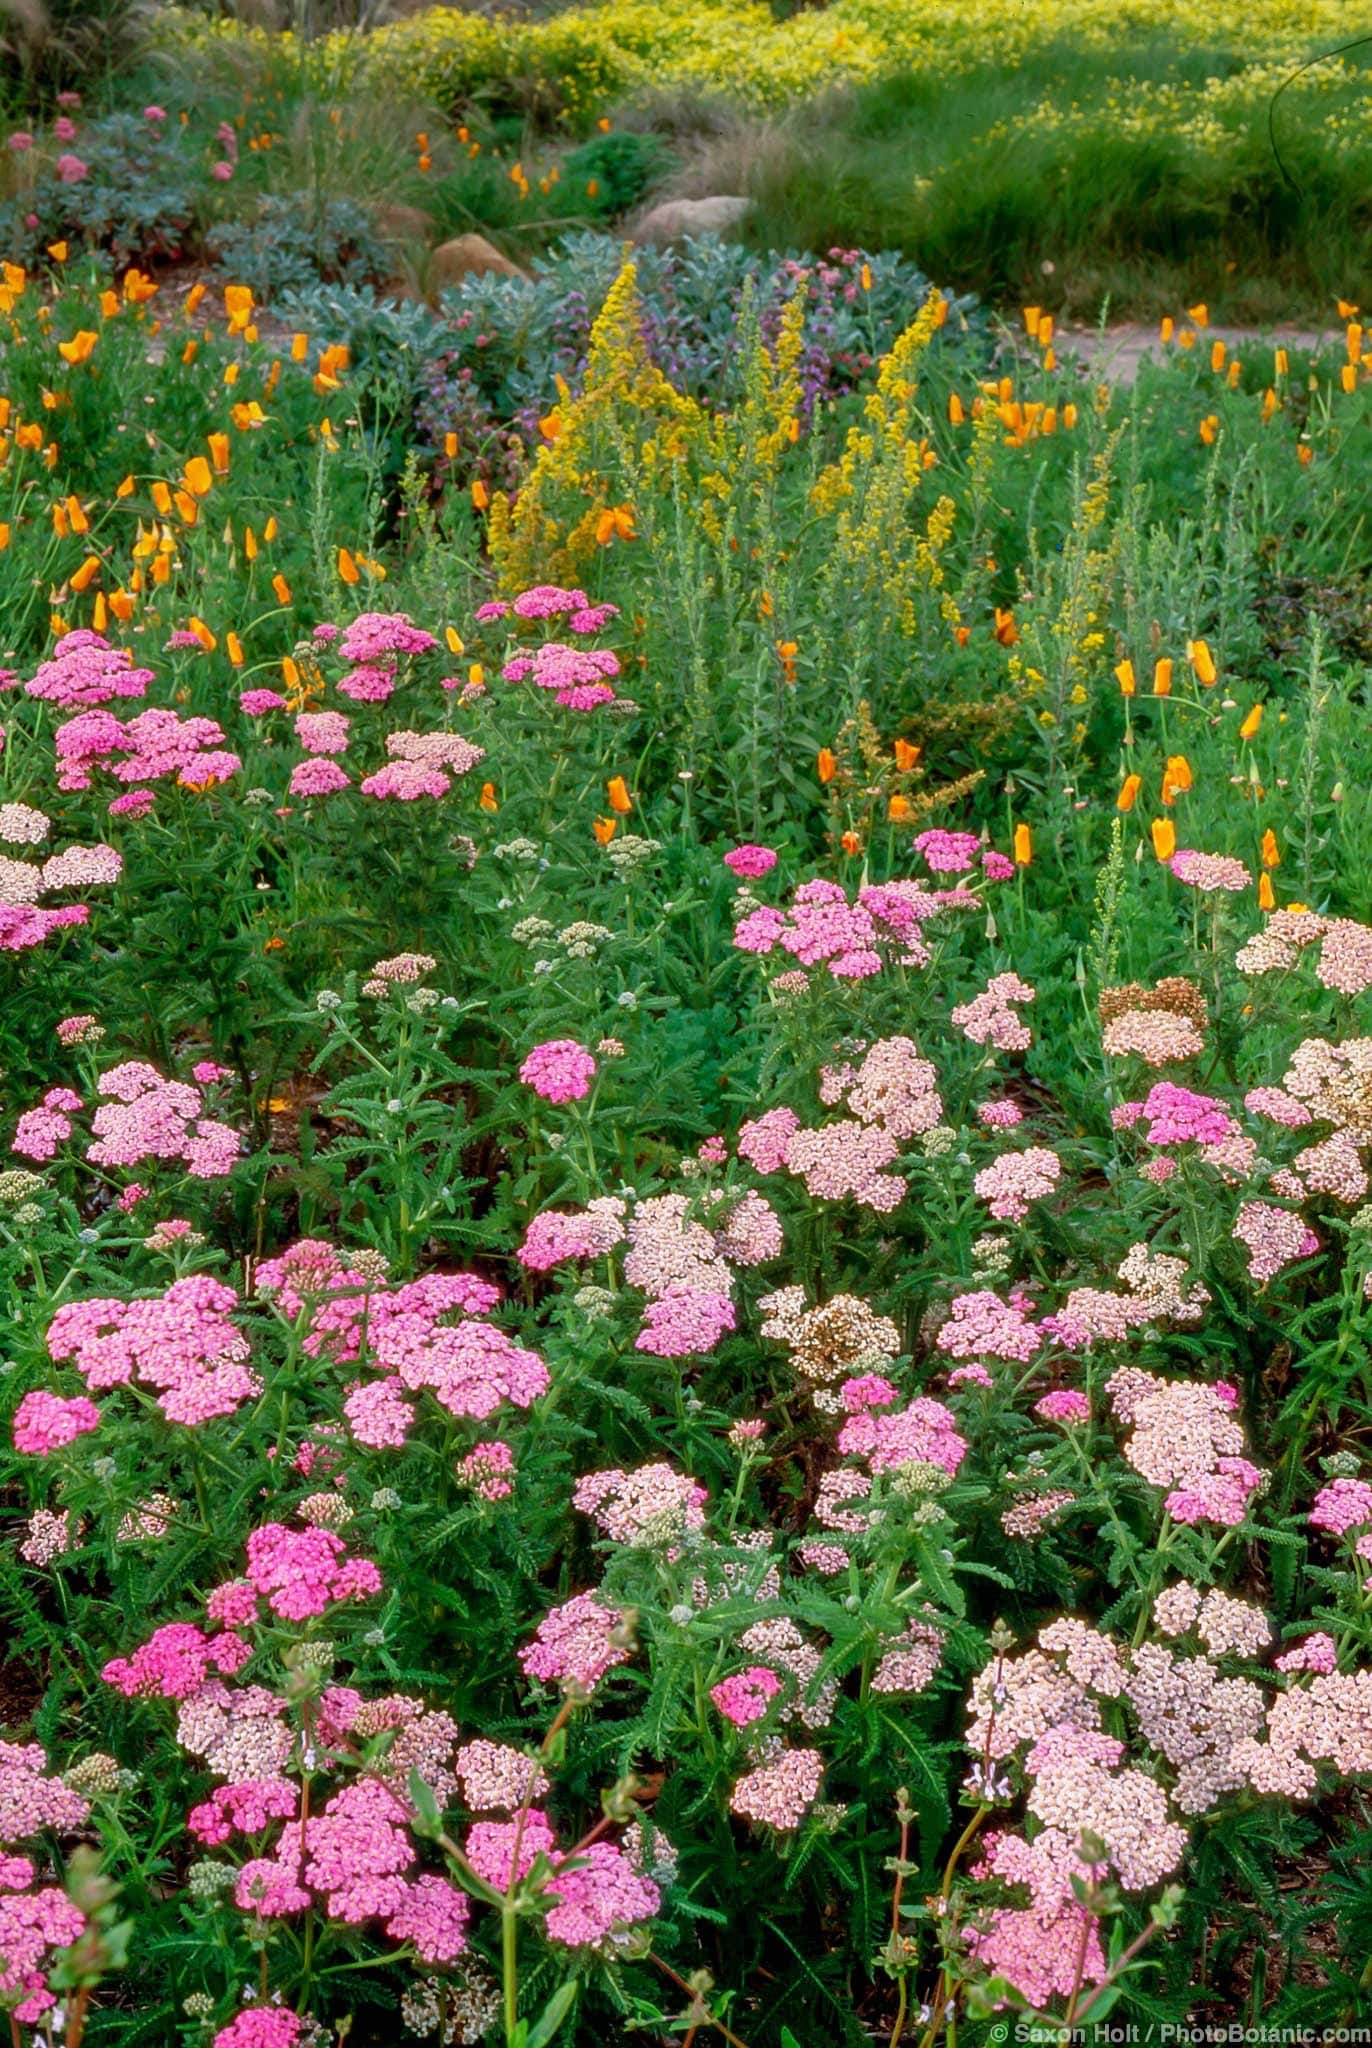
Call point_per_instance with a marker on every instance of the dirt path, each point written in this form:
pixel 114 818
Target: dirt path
pixel 1118 352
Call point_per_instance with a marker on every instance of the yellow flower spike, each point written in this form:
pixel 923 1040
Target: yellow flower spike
pixel 1267 895
pixel 1162 676
pixel 1023 846
pixel 617 791
pixel 1129 790
pixel 1202 661
pixel 1164 838
pixel 1124 671
pixel 1248 730
pixel 347 567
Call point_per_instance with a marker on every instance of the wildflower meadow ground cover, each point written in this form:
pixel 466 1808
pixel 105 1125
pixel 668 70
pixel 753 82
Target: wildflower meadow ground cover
pixel 685 1219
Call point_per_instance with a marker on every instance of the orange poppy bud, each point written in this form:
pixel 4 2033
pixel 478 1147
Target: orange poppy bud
pixel 1023 846
pixel 1267 895
pixel 605 830
pixel 1202 661
pixel 1127 681
pixel 962 634
pixel 1032 317
pixel 1162 677
pixel 1007 632
pixel 347 567
pixel 906 755
pixel 1179 771
pixel 1271 854
pixel 1167 329
pixel 1209 428
pixel 956 415
pixel 456 645
pixel 617 790
pixel 900 810
pixel 282 589
pixel 250 548
pixel 1129 790
pixel 827 765
pixel 83 576
pixel 202 633
pixel 5 535
pixel 290 672
pixel 1164 838
pixel 1218 352
pixel 218 445
pixel 450 445
pixel 488 799
pixel 851 843
pixel 233 647
pixel 1248 730
pixel 481 497
pixel 124 489
pixel 1281 362
pixel 1305 455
